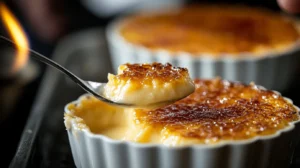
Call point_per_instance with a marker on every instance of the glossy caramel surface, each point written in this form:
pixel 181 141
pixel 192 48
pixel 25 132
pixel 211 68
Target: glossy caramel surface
pixel 146 73
pixel 221 110
pixel 212 29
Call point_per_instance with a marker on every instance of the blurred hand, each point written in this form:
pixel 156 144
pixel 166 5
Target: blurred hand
pixel 290 6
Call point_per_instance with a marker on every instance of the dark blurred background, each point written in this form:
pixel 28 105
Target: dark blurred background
pixel 46 23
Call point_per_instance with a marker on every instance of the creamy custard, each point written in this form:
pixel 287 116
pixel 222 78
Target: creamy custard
pixel 217 111
pixel 147 84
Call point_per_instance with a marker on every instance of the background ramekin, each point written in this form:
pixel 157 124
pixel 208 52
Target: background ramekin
pixel 275 70
pixel 97 151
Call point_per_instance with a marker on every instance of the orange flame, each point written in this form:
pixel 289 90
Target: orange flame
pixel 17 35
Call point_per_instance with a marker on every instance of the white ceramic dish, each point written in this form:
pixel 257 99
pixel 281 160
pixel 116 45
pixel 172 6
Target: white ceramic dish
pixel 275 70
pixel 97 151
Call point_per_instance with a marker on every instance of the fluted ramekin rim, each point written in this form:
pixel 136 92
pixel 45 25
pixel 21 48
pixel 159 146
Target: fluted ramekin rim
pixel 222 143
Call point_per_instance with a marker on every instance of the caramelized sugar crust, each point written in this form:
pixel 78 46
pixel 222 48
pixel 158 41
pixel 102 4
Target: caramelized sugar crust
pixel 155 71
pixel 211 29
pixel 222 110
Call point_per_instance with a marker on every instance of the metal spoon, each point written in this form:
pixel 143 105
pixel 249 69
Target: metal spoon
pixel 94 88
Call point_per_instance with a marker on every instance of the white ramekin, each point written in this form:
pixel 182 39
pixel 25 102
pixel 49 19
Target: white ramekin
pixel 97 151
pixel 275 70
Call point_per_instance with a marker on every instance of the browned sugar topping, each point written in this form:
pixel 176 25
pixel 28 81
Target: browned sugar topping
pixel 223 110
pixel 211 29
pixel 148 72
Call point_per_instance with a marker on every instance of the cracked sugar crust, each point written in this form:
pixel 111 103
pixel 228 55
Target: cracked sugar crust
pixel 222 110
pixel 147 72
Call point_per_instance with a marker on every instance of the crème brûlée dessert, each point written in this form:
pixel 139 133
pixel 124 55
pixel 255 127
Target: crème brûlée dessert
pixel 212 29
pixel 148 84
pixel 217 111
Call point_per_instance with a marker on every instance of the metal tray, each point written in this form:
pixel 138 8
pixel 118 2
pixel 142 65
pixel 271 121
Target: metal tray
pixel 44 143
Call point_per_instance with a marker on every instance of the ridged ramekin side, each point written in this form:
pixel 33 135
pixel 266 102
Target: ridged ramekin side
pixel 97 151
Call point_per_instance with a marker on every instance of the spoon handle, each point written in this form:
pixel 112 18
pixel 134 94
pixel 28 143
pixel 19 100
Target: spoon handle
pixel 48 61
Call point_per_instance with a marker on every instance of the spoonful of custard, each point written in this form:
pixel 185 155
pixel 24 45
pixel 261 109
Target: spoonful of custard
pixel 136 85
pixel 149 85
